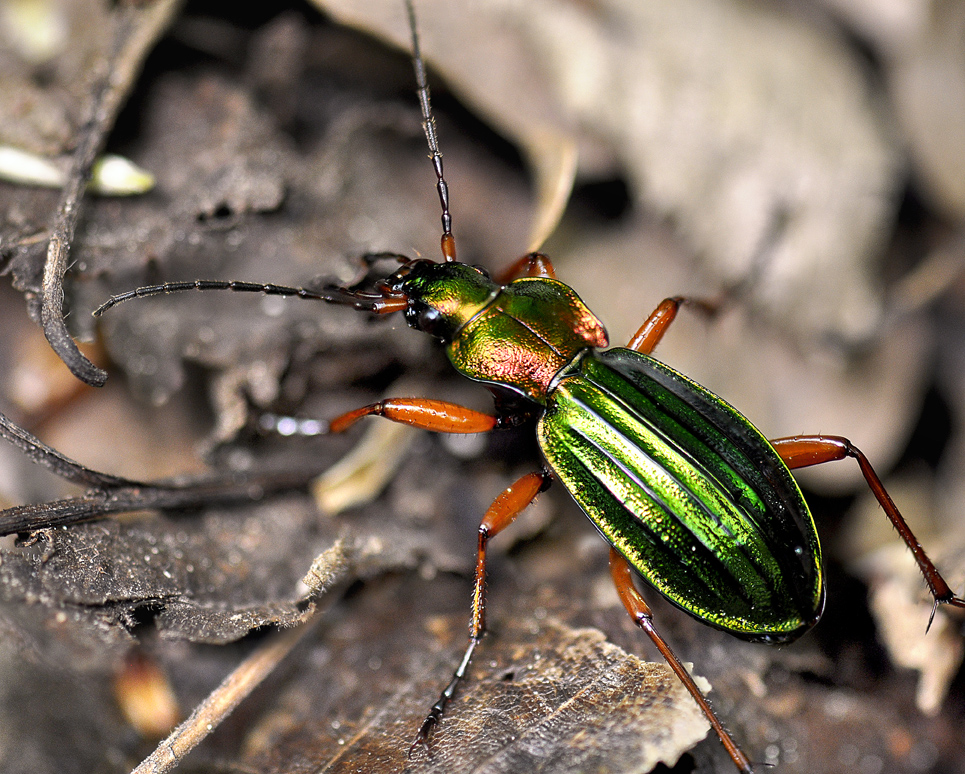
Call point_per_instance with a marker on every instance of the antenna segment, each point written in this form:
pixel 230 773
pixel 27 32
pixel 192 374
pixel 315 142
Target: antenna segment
pixel 429 125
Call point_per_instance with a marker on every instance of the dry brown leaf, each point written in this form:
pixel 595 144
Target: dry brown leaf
pixel 723 114
pixel 928 88
pixel 551 698
pixel 35 116
pixel 921 46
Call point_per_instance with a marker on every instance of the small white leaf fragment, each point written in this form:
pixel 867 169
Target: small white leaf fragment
pixel 111 176
pixel 38 29
pixel 117 176
pixel 17 166
pixel 363 473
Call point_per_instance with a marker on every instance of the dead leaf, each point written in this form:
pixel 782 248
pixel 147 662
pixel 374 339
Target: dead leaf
pixel 722 115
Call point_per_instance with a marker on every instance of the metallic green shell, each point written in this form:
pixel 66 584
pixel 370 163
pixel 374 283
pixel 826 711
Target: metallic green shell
pixel 530 330
pixel 686 489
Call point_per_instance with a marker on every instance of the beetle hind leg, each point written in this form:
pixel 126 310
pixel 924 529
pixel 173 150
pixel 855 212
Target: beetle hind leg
pixel 801 451
pixel 503 511
pixel 642 616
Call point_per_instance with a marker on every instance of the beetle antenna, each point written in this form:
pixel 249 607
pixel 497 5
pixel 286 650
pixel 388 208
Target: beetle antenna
pixel 429 126
pixel 380 303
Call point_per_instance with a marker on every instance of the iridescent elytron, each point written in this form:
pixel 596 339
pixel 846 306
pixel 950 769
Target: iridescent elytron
pixel 686 491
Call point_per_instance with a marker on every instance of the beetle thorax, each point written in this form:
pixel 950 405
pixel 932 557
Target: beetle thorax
pixel 517 336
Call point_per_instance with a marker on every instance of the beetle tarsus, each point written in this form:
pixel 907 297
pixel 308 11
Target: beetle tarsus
pixel 425 730
pixel 436 710
pixel 952 600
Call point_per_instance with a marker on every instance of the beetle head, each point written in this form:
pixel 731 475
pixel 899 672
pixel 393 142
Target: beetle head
pixel 442 297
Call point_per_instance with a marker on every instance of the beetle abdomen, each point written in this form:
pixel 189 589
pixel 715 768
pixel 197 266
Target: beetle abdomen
pixel 688 491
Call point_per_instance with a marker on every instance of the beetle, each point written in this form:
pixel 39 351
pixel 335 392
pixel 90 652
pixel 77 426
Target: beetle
pixel 687 492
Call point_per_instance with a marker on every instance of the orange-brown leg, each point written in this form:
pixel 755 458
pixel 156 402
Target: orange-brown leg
pixel 642 616
pixel 439 416
pixel 651 332
pixel 500 515
pixel 800 451
pixel 530 265
pixel 656 325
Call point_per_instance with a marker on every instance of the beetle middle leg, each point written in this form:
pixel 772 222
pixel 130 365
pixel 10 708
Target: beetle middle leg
pixel 651 332
pixel 442 416
pixel 503 512
pixel 530 265
pixel 642 616
pixel 656 325
pixel 801 451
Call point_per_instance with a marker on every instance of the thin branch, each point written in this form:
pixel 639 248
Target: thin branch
pixel 184 494
pixel 222 701
pixel 137 29
pixel 111 494
pixel 56 462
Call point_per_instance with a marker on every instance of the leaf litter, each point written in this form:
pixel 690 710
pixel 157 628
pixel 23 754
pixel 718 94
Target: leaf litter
pixel 283 175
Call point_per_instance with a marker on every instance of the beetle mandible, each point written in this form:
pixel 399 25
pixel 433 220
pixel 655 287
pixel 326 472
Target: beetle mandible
pixel 687 492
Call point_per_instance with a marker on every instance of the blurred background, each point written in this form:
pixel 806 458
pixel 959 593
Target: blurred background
pixel 650 148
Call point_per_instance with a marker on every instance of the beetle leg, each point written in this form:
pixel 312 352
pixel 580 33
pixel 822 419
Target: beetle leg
pixel 656 325
pixel 643 617
pixel 800 451
pixel 503 511
pixel 438 416
pixel 530 265
pixel 651 332
pixel 370 259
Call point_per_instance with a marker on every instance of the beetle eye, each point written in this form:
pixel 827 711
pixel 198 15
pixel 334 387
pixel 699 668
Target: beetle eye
pixel 427 319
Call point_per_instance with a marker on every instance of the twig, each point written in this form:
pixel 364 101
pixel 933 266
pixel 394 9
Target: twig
pixel 54 461
pixel 112 494
pixel 222 701
pixel 136 32
pixel 184 494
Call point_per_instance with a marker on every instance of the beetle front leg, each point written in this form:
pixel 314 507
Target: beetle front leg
pixel 439 416
pixel 503 511
pixel 800 451
pixel 642 616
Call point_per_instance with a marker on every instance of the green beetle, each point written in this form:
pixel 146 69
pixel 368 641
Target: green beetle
pixel 686 490
pixel 688 493
pixel 677 480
